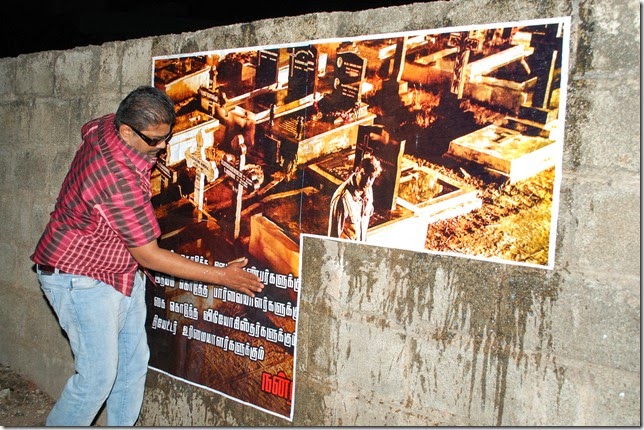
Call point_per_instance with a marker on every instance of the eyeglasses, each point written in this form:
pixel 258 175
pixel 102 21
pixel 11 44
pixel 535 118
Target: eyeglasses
pixel 150 141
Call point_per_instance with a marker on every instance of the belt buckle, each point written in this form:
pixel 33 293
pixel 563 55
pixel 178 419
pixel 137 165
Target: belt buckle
pixel 47 270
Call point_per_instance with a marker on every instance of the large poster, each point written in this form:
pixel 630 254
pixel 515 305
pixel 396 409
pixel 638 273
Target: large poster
pixel 444 141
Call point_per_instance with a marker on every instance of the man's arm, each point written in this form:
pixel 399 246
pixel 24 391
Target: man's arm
pixel 233 276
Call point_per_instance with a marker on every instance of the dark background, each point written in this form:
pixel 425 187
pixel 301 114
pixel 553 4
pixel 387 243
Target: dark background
pixel 28 26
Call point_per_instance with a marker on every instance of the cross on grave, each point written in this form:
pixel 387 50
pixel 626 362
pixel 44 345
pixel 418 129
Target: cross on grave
pixel 216 98
pixel 205 169
pixel 239 179
pixel 464 44
pixel 213 78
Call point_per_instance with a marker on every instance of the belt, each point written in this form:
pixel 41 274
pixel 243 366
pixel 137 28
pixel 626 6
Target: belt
pixel 50 270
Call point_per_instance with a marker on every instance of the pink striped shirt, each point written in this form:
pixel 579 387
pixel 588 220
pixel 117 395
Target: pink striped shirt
pixel 103 208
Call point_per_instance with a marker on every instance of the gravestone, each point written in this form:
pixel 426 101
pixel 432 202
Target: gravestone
pixel 545 61
pixel 267 68
pixel 302 72
pixel 350 70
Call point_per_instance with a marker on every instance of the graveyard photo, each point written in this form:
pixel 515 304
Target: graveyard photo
pixel 266 135
pixel 464 126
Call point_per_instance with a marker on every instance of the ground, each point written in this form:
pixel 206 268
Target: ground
pixel 513 223
pixel 22 404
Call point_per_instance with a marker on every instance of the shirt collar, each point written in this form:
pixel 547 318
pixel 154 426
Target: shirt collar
pixel 119 150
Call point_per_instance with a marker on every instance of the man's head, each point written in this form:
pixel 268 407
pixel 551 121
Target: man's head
pixel 368 170
pixel 145 118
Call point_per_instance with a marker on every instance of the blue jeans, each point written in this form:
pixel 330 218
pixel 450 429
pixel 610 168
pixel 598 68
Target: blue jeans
pixel 106 331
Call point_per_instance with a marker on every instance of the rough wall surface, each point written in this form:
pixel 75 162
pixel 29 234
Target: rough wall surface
pixel 385 337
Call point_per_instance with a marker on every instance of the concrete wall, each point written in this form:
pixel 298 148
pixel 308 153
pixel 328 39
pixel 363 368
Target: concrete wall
pixel 385 337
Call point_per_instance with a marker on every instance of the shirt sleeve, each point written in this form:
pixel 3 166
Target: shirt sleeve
pixel 136 224
pixel 336 216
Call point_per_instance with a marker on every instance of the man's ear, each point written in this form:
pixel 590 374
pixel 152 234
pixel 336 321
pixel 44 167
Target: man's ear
pixel 125 132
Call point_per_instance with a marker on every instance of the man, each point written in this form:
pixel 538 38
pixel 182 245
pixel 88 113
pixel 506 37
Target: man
pixel 352 203
pixel 102 230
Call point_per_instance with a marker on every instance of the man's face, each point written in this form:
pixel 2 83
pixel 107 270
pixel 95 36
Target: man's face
pixel 150 141
pixel 366 179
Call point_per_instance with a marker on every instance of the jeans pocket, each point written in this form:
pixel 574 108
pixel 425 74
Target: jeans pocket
pixel 84 283
pixel 54 287
pixel 49 292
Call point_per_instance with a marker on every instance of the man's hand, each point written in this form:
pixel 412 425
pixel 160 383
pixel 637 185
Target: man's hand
pixel 237 278
pixel 233 276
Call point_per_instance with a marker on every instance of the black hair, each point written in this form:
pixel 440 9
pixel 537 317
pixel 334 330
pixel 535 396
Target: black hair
pixel 145 106
pixel 371 165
